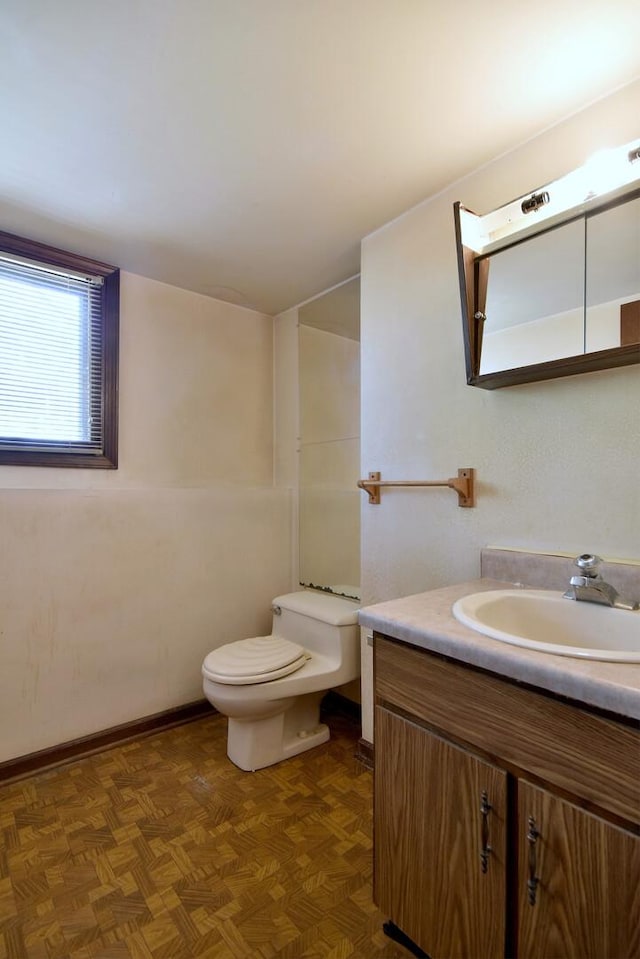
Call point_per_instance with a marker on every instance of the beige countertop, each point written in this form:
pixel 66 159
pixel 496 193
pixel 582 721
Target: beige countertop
pixel 425 620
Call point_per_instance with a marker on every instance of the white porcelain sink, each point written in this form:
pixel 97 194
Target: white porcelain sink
pixel 543 620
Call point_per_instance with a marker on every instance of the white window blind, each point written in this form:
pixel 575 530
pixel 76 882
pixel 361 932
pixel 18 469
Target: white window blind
pixel 51 377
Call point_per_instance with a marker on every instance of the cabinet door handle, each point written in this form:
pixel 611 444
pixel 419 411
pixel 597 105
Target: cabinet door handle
pixel 533 880
pixel 485 808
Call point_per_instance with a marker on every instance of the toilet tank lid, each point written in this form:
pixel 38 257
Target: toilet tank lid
pixel 333 610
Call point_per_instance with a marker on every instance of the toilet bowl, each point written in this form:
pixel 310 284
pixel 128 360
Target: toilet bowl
pixel 270 687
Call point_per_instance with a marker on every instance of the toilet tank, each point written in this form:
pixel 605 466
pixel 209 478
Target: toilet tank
pixel 318 621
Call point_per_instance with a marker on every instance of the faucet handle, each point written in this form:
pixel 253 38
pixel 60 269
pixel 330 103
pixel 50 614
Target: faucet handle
pixel 588 564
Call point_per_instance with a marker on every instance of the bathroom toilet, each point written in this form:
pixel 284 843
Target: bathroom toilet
pixel 270 687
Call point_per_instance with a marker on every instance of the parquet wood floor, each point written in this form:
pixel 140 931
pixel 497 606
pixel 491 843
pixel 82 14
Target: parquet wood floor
pixel 162 849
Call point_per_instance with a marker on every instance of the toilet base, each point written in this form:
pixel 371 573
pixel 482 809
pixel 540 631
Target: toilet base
pixel 255 743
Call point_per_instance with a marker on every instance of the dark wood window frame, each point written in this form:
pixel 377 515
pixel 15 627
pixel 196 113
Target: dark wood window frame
pixel 106 457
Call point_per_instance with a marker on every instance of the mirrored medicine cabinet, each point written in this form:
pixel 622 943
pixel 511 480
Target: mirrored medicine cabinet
pixel 555 299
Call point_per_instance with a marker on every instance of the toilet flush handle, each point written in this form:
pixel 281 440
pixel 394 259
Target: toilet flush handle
pixel 276 610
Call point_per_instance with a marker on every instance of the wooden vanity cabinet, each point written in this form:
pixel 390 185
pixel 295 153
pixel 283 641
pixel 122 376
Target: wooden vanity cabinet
pixel 587 898
pixel 505 819
pixel 429 876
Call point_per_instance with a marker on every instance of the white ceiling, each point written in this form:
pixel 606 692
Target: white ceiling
pixel 242 148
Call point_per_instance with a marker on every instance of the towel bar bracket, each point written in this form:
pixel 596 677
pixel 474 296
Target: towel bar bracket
pixel 464 485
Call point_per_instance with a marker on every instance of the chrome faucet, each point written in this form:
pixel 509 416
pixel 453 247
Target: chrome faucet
pixel 590 587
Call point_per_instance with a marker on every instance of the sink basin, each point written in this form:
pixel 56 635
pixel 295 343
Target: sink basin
pixel 543 620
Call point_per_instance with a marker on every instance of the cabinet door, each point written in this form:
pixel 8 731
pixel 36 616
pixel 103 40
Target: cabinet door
pixel 586 874
pixel 430 830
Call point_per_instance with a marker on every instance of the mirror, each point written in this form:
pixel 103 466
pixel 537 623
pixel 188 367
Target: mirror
pixel 560 301
pixel 534 301
pixel 612 301
pixel 329 466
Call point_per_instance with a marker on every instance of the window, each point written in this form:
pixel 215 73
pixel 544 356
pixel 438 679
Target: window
pixel 59 318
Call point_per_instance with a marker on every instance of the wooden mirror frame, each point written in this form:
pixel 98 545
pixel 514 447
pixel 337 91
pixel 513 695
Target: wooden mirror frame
pixel 473 272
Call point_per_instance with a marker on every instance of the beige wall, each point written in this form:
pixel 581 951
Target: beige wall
pixel 115 584
pixel 557 462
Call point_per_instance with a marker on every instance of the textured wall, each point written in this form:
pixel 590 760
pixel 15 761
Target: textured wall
pixel 115 584
pixel 557 462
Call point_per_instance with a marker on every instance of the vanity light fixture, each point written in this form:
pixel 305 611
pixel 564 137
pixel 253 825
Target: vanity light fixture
pixel 534 202
pixel 605 174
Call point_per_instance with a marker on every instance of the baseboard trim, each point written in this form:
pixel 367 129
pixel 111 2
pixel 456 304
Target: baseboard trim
pixel 43 759
pixel 365 752
pixel 52 756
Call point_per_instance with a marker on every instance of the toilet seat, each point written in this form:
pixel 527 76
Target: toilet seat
pixel 257 660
